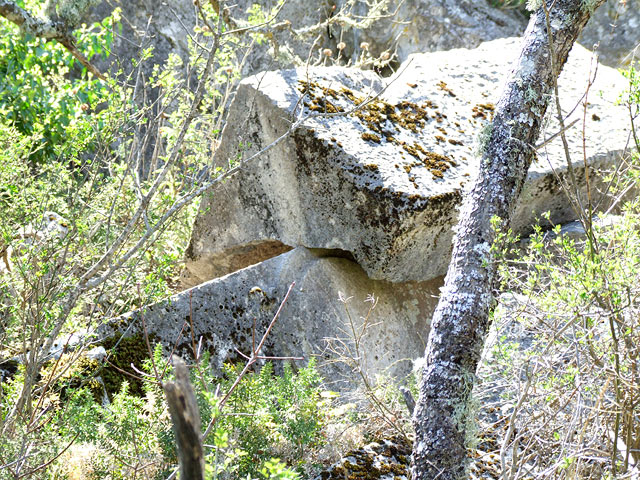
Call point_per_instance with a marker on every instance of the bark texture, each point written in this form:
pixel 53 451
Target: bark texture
pixel 186 423
pixel 460 322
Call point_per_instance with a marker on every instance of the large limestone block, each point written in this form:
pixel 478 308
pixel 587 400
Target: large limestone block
pixel 384 183
pixel 219 315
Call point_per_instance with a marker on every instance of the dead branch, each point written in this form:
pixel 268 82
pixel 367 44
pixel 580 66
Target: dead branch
pixel 186 423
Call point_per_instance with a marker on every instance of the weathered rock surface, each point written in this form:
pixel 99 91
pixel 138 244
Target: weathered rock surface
pixel 574 231
pixel 614 27
pixel 407 27
pixel 429 26
pixel 164 25
pixel 384 183
pixel 221 314
pixel 401 27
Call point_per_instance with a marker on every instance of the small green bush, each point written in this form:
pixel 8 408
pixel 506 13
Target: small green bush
pixel 268 416
pixel 268 425
pixel 578 376
pixel 44 92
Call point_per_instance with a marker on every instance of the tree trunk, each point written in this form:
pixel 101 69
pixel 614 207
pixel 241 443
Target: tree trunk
pixel 460 322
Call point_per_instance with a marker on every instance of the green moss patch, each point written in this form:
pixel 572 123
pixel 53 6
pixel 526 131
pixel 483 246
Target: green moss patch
pixel 122 352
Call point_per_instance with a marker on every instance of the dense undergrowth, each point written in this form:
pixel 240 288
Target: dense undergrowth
pixel 99 186
pixel 567 335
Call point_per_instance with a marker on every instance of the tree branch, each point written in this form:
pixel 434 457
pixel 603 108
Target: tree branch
pixel 47 29
pixel 35 26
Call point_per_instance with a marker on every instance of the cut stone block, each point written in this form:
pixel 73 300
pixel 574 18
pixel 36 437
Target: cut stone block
pixel 218 316
pixel 384 183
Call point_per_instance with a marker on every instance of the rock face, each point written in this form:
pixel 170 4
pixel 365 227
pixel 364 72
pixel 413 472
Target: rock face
pixel 220 314
pixel 402 27
pixel 614 27
pixel 383 183
pixel 165 25
pixel 432 25
pixel 408 26
pixel 429 26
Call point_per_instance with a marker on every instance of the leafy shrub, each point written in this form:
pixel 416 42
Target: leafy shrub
pixel 575 384
pixel 77 146
pixel 267 416
pixel 43 93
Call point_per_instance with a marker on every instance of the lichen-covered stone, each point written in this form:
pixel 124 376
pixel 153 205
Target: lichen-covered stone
pixel 383 182
pixel 218 316
pixel 388 459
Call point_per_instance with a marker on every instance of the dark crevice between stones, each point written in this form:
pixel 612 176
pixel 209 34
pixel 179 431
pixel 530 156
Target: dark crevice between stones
pixel 332 253
pixel 208 267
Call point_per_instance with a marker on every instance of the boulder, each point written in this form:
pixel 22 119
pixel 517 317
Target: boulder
pixel 164 25
pixel 399 27
pixel 383 183
pixel 614 29
pixel 223 316
pixel 575 231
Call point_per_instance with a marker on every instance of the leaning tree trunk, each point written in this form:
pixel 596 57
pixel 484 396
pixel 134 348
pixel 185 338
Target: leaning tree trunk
pixel 460 322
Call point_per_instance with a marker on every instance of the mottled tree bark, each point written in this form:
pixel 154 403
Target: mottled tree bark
pixel 460 322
